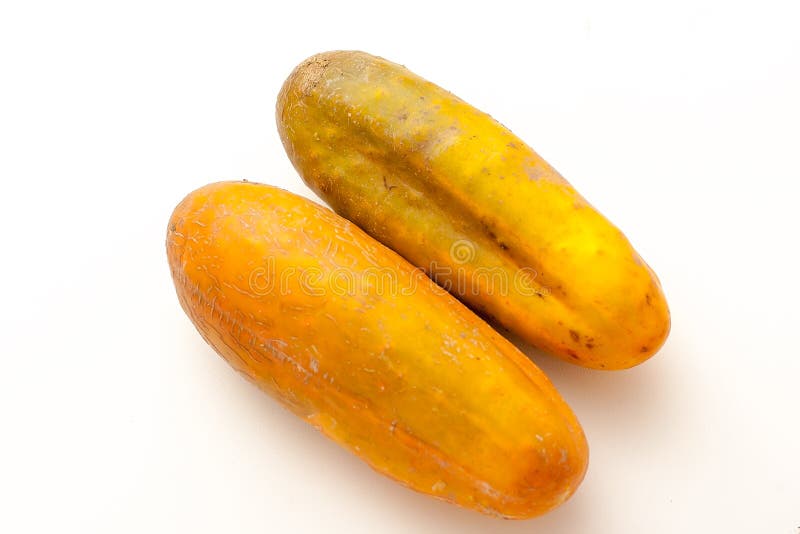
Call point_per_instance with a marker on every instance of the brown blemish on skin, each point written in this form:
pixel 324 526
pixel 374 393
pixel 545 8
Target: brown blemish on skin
pixel 488 230
pixel 309 74
pixel 512 144
pixel 387 186
pixel 590 345
pixel 644 349
pixel 647 298
pixel 574 335
pixel 534 173
pixel 572 354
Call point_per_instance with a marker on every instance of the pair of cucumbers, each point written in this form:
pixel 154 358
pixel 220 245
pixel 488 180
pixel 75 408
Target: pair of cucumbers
pixel 334 314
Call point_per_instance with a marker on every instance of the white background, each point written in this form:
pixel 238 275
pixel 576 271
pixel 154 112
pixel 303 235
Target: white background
pixel 679 120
